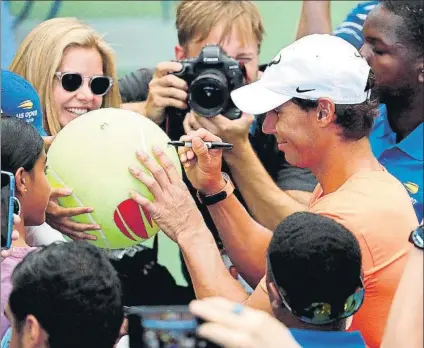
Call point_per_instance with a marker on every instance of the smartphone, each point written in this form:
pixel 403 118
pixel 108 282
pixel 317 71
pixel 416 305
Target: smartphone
pixel 163 327
pixel 8 204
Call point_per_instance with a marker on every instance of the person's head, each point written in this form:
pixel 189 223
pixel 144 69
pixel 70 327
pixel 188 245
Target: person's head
pixel 316 95
pixel 235 25
pixel 65 295
pixel 65 45
pixel 20 99
pixel 393 46
pixel 23 155
pixel 314 272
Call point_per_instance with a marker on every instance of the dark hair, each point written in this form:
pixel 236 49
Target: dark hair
pixel 356 120
pixel 73 291
pixel 411 31
pixel 315 259
pixel 21 145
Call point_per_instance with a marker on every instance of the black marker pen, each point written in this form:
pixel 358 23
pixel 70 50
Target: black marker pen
pixel 209 144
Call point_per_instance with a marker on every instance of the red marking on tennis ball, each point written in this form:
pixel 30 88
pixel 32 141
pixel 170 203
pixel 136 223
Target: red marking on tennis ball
pixel 131 213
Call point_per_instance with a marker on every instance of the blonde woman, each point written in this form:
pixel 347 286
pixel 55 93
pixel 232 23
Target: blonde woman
pixel 73 70
pixel 71 67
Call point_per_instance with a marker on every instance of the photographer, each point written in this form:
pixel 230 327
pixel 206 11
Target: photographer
pixel 237 27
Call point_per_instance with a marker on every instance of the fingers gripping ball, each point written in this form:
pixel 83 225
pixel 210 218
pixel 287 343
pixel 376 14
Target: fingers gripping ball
pixel 91 155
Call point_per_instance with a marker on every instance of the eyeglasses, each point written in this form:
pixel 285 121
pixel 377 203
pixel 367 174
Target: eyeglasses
pixel 320 313
pixel 99 84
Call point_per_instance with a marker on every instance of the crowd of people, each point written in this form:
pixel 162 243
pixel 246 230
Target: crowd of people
pixel 308 233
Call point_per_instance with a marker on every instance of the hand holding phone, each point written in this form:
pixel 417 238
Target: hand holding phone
pixel 9 206
pixel 163 326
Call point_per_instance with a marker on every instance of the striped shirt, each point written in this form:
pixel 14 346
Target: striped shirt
pixel 351 29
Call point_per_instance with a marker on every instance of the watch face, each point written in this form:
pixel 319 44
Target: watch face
pixel 417 237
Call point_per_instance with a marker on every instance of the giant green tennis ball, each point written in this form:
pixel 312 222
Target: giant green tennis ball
pixel 91 156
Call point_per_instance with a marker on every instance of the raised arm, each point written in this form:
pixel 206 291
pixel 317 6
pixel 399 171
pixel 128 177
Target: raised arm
pixel 315 18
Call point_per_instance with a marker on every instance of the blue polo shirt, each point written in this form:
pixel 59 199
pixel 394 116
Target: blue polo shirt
pixel 328 339
pixel 404 160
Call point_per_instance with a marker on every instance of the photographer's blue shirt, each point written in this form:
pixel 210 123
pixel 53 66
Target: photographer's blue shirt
pixel 404 160
pixel 328 339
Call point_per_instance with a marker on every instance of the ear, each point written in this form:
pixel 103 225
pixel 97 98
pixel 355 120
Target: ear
pixel 179 52
pixel 274 295
pixel 34 333
pixel 326 112
pixel 21 181
pixel 349 322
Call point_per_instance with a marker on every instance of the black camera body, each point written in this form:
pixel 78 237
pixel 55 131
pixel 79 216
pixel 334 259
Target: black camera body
pixel 211 76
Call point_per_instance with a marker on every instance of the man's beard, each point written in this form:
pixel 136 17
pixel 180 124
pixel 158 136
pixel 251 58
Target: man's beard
pixel 394 98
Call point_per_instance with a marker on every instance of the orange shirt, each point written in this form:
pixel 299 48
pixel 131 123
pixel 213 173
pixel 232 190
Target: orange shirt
pixel 376 208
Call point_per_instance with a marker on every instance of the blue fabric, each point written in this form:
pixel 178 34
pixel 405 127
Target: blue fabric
pixel 351 29
pixel 6 338
pixel 404 160
pixel 328 339
pixel 8 44
pixel 20 99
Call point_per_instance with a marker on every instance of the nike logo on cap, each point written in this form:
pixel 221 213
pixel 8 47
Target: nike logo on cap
pixel 298 90
pixel 275 61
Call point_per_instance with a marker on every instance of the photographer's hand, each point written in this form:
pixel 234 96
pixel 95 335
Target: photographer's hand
pixel 202 165
pixel 165 90
pixel 235 132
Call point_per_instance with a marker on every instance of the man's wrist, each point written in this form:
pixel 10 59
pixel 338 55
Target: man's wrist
pixel 213 187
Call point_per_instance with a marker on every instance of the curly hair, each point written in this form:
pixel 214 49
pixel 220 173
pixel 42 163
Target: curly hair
pixel 315 259
pixel 73 291
pixel 411 11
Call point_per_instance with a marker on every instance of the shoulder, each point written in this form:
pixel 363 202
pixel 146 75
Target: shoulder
pixel 43 235
pixel 134 86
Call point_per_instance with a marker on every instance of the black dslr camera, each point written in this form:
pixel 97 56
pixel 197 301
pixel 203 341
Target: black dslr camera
pixel 211 77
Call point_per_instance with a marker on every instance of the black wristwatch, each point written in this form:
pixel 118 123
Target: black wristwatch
pixel 417 237
pixel 219 196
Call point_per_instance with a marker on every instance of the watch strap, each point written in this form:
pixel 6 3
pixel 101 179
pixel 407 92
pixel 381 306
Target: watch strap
pixel 219 196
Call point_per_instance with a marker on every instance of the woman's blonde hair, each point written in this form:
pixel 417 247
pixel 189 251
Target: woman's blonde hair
pixel 40 55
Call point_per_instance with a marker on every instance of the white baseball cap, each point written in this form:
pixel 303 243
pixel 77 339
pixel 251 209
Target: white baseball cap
pixel 313 67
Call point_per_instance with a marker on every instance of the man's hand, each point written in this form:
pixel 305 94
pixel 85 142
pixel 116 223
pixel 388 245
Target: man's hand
pixel 231 131
pixel 231 325
pixel 202 165
pixel 165 90
pixel 59 217
pixel 173 208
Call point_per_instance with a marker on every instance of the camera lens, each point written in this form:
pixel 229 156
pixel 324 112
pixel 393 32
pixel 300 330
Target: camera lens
pixel 208 94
